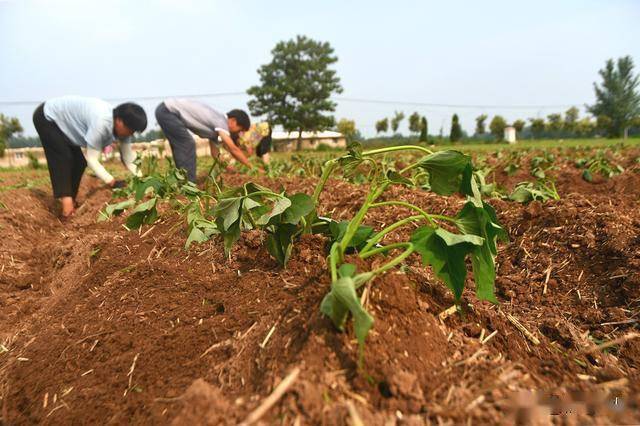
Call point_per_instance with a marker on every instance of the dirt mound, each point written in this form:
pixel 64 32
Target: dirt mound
pixel 128 327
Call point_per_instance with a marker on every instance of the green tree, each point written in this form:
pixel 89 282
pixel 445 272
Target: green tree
pixel 571 119
pixel 382 126
pixel 456 131
pixel 554 122
pixel 347 128
pixel 497 125
pixel 8 127
pixel 414 123
pixel 424 130
pixel 395 121
pixel 604 123
pixel 584 127
pixel 480 124
pixel 519 125
pixel 537 127
pixel 617 96
pixel 296 86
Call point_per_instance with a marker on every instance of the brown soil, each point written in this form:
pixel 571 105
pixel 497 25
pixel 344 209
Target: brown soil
pixel 105 326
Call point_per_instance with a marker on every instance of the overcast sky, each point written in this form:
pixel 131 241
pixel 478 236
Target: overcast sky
pixel 543 52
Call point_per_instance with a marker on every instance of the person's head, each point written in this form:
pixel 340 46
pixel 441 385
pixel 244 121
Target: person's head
pixel 128 118
pixel 238 121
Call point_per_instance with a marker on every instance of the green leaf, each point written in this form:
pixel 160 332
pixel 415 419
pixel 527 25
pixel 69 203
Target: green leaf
pixel 347 270
pixel 280 242
pixel 201 231
pixel 279 206
pixel 338 229
pixel 150 182
pixel 228 210
pixel 252 187
pixel 538 173
pixel 250 204
pixel 144 213
pixel 445 252
pixel 350 161
pixel 586 175
pixel 343 299
pixel 527 191
pixel 229 234
pixel 397 178
pixel 522 194
pixel 449 171
pixel 115 209
pixel 301 206
pixel 482 222
pixel 196 235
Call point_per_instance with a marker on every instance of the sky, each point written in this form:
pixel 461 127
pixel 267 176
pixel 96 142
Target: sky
pixel 479 56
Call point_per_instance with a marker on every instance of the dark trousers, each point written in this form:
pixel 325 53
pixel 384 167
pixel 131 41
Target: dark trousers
pixel 182 144
pixel 65 160
pixel 264 146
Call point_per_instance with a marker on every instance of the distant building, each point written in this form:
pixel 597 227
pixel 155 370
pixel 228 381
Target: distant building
pixel 20 157
pixel 282 142
pixel 287 141
pixel 510 134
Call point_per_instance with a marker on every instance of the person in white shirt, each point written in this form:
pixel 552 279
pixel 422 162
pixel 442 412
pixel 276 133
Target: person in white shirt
pixel 68 124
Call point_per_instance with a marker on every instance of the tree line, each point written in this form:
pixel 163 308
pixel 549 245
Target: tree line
pixel 295 92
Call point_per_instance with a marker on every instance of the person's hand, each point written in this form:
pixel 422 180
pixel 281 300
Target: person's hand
pixel 107 149
pixel 117 184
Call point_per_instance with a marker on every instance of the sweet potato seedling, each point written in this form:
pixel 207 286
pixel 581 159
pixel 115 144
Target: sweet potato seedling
pixel 445 251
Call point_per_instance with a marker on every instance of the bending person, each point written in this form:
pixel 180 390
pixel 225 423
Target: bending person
pixel 177 117
pixel 258 139
pixel 68 124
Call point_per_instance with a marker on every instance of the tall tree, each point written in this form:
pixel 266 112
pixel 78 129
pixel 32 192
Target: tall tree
pixel 480 124
pixel 296 86
pixel 554 122
pixel 497 125
pixel 617 96
pixel 456 131
pixel 382 126
pixel 8 127
pixel 537 127
pixel 519 125
pixel 585 127
pixel 395 121
pixel 347 128
pixel 414 123
pixel 424 130
pixel 571 119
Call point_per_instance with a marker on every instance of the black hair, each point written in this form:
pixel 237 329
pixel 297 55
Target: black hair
pixel 242 118
pixel 132 115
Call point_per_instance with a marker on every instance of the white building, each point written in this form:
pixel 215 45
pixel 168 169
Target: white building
pixel 510 134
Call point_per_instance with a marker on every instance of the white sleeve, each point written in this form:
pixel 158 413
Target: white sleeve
pixel 93 161
pixel 128 156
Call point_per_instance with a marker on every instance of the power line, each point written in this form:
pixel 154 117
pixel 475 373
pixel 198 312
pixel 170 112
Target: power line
pixel 138 98
pixel 436 105
pixel 339 98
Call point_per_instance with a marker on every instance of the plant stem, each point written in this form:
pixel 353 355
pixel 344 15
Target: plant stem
pixel 333 262
pixel 377 237
pixel 409 167
pixel 365 255
pixel 396 260
pixel 326 173
pixel 424 214
pixel 354 223
pixel 269 193
pixel 397 148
